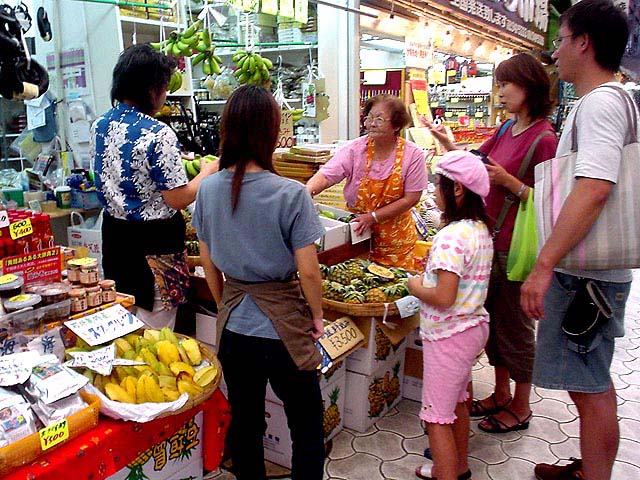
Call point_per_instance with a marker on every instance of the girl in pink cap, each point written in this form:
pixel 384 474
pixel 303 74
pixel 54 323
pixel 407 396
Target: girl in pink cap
pixel 454 324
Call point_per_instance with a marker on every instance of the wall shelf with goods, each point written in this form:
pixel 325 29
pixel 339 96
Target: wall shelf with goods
pixel 12 122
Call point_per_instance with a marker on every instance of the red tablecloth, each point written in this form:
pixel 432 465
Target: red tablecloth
pixel 113 444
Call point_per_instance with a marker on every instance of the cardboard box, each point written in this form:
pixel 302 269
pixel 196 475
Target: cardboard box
pixel 369 397
pixel 337 371
pixel 382 343
pixel 413 362
pixel 277 439
pixel 414 340
pixel 166 460
pixel 206 322
pixel 353 236
pixel 336 233
pixel 412 388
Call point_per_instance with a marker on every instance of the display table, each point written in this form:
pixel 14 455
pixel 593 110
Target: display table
pixel 114 444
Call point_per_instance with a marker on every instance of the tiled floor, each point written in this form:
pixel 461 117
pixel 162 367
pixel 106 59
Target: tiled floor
pixel 393 447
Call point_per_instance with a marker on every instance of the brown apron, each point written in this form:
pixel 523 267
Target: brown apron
pixel 287 309
pixel 393 239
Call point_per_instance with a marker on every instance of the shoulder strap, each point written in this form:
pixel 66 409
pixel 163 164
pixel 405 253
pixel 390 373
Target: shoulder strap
pixel 510 198
pixel 504 126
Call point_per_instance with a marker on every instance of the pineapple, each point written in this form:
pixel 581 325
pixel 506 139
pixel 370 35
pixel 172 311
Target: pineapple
pixel 402 287
pixel 383 344
pixel 399 273
pixel 335 291
pixel 326 286
pixel 375 295
pixel 376 398
pixel 353 296
pixel 370 280
pixel 331 417
pixel 358 284
pixel 393 292
pixel 324 271
pixel 393 391
pixel 339 274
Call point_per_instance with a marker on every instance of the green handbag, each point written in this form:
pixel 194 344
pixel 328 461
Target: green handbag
pixel 524 242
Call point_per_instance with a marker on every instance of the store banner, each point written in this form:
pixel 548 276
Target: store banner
pixel 287 9
pixel 269 7
pixel 526 19
pixel 416 52
pixel 301 11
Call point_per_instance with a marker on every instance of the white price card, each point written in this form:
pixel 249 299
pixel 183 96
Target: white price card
pixel 16 368
pixel 105 325
pixel 99 360
pixel 408 306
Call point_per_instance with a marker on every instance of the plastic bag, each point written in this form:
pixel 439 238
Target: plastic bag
pixel 524 242
pixel 223 85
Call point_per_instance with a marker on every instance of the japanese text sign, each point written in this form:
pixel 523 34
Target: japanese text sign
pixel 105 325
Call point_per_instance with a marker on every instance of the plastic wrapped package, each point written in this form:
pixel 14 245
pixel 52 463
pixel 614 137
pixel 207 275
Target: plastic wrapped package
pixel 50 381
pixel 16 417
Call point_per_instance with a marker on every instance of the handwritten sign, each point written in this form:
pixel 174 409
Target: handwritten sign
pixel 105 325
pixel 54 434
pixel 285 137
pixel 4 218
pixel 416 50
pixel 21 228
pixel 99 360
pixel 16 368
pixel 340 336
pixel 41 266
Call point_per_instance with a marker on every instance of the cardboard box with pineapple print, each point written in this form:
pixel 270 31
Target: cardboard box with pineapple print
pixel 370 397
pixel 380 351
pixel 277 439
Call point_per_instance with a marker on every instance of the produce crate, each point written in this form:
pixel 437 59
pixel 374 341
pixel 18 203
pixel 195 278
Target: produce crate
pixel 85 200
pixel 28 449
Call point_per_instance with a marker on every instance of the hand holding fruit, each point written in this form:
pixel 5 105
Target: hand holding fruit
pixel 209 168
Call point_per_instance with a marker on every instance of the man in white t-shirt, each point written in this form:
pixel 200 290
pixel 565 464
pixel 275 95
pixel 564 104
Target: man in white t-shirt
pixel 590 44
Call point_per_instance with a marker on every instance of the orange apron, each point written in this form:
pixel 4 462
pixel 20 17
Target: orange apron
pixel 393 240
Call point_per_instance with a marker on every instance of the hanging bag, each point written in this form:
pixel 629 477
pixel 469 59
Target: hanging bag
pixel 524 242
pixel 614 239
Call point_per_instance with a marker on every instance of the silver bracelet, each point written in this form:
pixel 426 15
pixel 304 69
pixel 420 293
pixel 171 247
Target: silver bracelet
pixel 375 217
pixel 521 190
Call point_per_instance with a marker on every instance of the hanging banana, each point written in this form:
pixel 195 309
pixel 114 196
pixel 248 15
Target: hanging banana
pixel 251 67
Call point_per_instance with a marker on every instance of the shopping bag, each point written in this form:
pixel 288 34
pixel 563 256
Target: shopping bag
pixel 79 235
pixel 524 242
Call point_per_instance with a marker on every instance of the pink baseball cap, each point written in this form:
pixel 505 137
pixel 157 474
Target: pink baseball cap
pixel 467 169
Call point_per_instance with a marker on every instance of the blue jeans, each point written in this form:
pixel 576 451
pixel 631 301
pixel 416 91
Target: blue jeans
pixel 248 364
pixel 558 364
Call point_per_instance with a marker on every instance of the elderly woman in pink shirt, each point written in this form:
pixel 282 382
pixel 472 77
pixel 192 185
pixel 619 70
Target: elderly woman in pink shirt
pixel 385 178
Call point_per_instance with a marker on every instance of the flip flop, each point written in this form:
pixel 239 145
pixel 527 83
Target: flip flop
pixel 493 425
pixel 478 410
pixel 424 471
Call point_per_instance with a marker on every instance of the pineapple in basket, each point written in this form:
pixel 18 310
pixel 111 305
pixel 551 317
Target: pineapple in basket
pixel 375 295
pixel 353 296
pixel 334 291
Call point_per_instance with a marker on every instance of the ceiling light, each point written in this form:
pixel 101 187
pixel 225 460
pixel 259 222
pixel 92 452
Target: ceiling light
pixel 466 46
pixel 479 51
pixel 448 39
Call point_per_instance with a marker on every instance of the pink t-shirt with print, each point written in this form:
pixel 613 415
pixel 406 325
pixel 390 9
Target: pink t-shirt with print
pixel 464 248
pixel 351 160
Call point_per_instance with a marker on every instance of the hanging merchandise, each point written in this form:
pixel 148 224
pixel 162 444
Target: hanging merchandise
pixel 44 27
pixel 251 67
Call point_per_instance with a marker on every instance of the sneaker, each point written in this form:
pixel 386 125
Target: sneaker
pixel 573 471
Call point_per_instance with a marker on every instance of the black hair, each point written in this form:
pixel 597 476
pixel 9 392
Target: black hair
pixel 472 207
pixel 249 131
pixel 141 71
pixel 604 24
pixel 400 118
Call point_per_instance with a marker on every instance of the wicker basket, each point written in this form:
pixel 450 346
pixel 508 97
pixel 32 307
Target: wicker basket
pixel 360 309
pixel 26 450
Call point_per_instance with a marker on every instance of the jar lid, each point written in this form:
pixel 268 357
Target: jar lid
pixel 77 292
pixel 22 301
pixel 106 284
pixel 93 289
pixel 10 281
pixel 82 262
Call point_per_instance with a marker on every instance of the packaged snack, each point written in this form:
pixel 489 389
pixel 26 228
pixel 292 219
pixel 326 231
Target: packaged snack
pixel 24 300
pixel 16 418
pixel 10 285
pixel 58 410
pixel 51 381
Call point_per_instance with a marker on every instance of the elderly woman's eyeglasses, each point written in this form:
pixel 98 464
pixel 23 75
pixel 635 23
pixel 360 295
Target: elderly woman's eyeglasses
pixel 377 121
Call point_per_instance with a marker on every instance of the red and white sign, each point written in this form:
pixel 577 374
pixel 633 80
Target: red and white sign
pixel 41 266
pixel 416 52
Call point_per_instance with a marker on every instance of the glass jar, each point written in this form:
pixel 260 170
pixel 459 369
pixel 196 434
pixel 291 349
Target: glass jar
pixel 89 274
pixel 108 291
pixel 94 296
pixel 73 270
pixel 78 297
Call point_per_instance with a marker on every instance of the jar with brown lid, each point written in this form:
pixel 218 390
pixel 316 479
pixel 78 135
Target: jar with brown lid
pixel 78 297
pixel 108 291
pixel 94 296
pixel 73 271
pixel 89 274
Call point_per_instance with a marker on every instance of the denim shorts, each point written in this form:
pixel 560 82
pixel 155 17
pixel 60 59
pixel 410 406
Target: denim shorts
pixel 558 364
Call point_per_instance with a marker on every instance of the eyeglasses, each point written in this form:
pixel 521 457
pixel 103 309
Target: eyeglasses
pixel 377 121
pixel 558 41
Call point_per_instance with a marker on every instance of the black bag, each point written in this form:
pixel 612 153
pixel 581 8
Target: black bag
pixel 587 313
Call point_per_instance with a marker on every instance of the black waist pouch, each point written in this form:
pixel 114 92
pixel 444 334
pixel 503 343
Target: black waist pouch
pixel 587 313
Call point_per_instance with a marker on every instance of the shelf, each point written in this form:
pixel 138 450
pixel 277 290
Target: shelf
pixel 222 102
pixel 283 48
pixel 185 94
pixel 147 21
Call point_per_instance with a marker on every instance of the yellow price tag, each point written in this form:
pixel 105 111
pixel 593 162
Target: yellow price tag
pixel 479 114
pixel 451 73
pixel 448 114
pixel 454 100
pixel 54 434
pixel 340 336
pixel 21 228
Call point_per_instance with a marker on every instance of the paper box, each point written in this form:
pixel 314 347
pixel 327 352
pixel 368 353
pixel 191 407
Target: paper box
pixel 336 372
pixel 382 343
pixel 168 459
pixel 414 340
pixel 353 236
pixel 412 388
pixel 206 322
pixel 277 439
pixel 336 233
pixel 412 383
pixel 369 397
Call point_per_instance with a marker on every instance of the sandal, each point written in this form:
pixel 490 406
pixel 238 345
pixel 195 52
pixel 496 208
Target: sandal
pixel 492 425
pixel 424 471
pixel 479 410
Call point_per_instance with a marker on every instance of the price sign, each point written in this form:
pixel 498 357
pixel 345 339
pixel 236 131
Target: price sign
pixel 340 336
pixel 4 219
pixel 105 325
pixel 99 360
pixel 21 229
pixel 454 100
pixel 286 8
pixel 54 434
pixel 16 368
pixel 285 137
pixel 477 100
pixel 301 11
pixel 40 266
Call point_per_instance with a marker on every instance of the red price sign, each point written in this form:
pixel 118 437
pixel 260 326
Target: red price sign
pixel 43 265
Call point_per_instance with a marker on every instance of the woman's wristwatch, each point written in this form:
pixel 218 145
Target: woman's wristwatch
pixel 375 217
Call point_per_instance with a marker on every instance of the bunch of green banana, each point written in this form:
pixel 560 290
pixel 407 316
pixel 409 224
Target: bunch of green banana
pixel 205 53
pixel 175 82
pixel 252 68
pixel 192 167
pixel 180 44
pixel 296 114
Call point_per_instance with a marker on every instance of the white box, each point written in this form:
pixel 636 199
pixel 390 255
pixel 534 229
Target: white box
pixel 353 236
pixel 166 459
pixel 412 388
pixel 206 323
pixel 277 438
pixel 384 387
pixel 336 372
pixel 336 233
pixel 379 353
